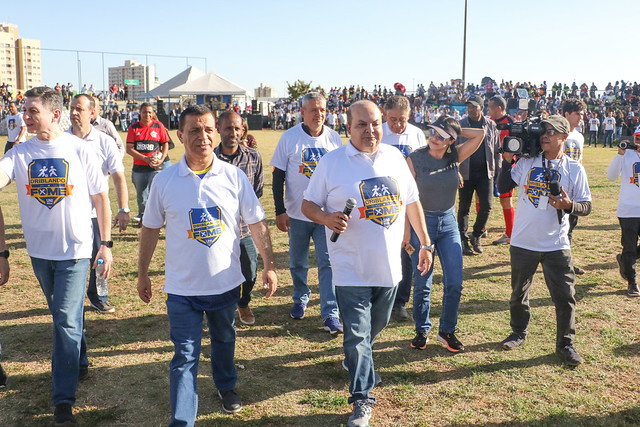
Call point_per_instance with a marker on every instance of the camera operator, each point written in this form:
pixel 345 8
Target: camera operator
pixel 540 233
pixel 627 165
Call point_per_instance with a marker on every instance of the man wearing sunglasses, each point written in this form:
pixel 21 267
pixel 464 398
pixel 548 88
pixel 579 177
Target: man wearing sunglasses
pixel 540 233
pixel 477 172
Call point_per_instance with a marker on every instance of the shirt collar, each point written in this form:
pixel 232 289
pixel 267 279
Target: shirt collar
pixel 350 150
pixel 216 167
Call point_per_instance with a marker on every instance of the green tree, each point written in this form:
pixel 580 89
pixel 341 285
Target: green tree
pixel 300 88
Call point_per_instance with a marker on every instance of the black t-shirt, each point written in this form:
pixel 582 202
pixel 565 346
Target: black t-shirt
pixel 478 160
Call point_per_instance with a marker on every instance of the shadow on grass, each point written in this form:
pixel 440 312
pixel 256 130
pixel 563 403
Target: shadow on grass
pixel 628 417
pixel 13 315
pixel 629 350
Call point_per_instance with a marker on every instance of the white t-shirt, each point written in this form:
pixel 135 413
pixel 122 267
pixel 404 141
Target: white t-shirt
pixel 108 155
pixel 15 123
pixel 627 166
pixel 537 229
pixel 203 218
pixel 574 145
pixel 609 123
pixel 55 180
pixel 368 252
pixel 593 124
pixel 298 153
pixel 407 142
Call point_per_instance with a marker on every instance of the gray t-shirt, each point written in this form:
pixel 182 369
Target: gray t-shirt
pixel 437 179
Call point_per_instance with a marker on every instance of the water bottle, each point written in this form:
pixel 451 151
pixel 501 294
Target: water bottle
pixel 102 286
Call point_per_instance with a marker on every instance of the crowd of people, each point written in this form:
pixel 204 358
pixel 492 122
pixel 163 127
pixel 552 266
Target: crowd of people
pixel 403 184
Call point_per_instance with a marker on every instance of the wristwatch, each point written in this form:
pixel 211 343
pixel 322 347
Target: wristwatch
pixel 5 253
pixel 107 243
pixel 429 248
pixel 125 210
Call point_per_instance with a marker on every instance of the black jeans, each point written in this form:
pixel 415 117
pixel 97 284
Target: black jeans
pixel 557 267
pixel 484 188
pixel 630 230
pixel 405 285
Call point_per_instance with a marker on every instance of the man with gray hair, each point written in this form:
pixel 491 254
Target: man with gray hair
pixel 397 131
pixel 294 160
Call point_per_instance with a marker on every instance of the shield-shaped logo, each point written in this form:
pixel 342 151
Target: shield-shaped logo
pixel 381 200
pixel 310 159
pixel 636 173
pixel 536 185
pixel 206 225
pixel 48 181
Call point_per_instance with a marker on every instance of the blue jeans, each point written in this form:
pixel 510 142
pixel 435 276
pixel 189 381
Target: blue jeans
pixel 63 284
pixel 444 234
pixel 608 136
pixel 186 334
pixel 142 182
pixel 365 313
pixel 249 266
pixel 300 233
pixel 92 291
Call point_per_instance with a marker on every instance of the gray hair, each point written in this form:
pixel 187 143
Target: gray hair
pixel 397 102
pixel 50 97
pixel 316 96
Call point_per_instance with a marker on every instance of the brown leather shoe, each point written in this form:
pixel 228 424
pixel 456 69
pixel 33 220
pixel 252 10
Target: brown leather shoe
pixel 246 315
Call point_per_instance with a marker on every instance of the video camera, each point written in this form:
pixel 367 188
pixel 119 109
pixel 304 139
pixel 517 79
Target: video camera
pixel 627 145
pixel 524 137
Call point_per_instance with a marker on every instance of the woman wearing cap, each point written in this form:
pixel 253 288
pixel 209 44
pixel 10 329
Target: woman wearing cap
pixel 435 168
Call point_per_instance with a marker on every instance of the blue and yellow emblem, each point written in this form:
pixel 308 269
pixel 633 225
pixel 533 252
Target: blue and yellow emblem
pixel 48 181
pixel 404 149
pixel 536 185
pixel 206 225
pixel 636 172
pixel 310 159
pixel 381 200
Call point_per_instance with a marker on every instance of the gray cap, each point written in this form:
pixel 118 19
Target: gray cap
pixel 558 122
pixel 477 100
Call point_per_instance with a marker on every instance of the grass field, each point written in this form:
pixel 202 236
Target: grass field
pixel 290 372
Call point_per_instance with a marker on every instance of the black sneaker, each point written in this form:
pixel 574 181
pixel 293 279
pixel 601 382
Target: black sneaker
pixel 475 244
pixel 569 355
pixel 83 374
pixel 102 307
pixel 633 290
pixel 466 249
pixel 4 378
pixel 512 341
pixel 231 402
pixel 63 415
pixel 450 340
pixel 420 341
pixel 620 267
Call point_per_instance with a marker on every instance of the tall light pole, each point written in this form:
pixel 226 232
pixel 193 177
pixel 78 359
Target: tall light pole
pixel 464 47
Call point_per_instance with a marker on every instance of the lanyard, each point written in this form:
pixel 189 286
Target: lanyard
pixel 548 171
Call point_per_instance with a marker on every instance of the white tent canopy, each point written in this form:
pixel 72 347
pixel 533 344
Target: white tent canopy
pixel 162 91
pixel 209 84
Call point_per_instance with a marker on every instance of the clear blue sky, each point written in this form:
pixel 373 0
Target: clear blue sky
pixel 334 43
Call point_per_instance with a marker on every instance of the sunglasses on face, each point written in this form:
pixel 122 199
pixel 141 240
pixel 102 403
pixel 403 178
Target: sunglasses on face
pixel 550 132
pixel 437 135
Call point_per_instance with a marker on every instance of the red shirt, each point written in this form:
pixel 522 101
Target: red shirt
pixel 146 140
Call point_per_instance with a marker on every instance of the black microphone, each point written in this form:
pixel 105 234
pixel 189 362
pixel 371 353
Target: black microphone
pixel 555 189
pixel 348 207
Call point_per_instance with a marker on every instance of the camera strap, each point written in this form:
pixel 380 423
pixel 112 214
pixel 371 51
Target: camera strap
pixel 548 171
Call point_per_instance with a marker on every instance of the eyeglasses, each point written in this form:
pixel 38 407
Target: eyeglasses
pixel 432 132
pixel 550 132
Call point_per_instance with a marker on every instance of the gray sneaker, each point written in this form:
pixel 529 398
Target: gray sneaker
pixel 103 307
pixel 569 355
pixel 512 341
pixel 399 313
pixel 361 415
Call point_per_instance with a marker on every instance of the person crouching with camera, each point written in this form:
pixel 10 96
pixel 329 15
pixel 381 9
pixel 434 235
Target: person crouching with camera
pixel 627 165
pixel 550 186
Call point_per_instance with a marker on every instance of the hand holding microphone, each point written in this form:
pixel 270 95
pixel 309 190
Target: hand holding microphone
pixel 556 190
pixel 348 207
